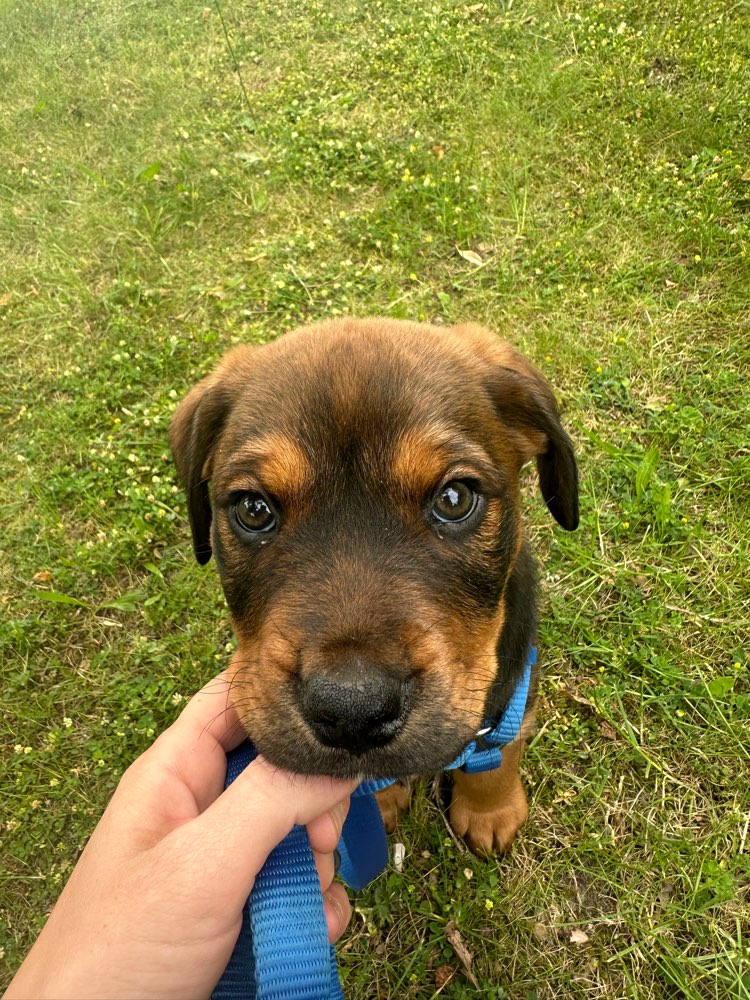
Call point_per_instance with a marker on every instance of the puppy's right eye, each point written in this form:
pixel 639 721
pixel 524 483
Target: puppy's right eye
pixel 455 502
pixel 254 513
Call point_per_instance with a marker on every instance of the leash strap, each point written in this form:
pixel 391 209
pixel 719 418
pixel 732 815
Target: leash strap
pixel 282 952
pixel 363 848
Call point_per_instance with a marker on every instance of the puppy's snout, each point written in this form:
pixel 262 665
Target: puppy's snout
pixel 355 707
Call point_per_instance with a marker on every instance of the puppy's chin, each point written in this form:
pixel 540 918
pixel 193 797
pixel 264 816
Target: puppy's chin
pixel 400 760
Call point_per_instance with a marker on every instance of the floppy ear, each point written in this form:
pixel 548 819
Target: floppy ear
pixel 524 400
pixel 193 434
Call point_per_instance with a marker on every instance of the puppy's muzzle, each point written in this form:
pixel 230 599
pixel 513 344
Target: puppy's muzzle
pixel 355 706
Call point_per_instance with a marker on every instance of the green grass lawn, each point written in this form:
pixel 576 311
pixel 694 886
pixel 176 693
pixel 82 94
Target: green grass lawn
pixel 172 183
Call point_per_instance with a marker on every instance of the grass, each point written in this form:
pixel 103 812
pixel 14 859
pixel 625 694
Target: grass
pixel 172 182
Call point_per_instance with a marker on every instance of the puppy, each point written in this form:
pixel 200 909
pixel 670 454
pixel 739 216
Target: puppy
pixel 357 483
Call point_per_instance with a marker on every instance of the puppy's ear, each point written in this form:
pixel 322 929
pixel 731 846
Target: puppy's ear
pixel 523 399
pixel 193 434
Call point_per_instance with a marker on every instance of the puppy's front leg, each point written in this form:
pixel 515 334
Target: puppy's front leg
pixel 488 808
pixel 394 801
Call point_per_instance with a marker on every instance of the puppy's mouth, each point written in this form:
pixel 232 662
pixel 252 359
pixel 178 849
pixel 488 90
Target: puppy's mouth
pixel 415 738
pixel 394 761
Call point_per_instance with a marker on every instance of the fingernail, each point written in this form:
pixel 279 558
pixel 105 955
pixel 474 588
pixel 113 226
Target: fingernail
pixel 338 815
pixel 344 808
pixel 334 902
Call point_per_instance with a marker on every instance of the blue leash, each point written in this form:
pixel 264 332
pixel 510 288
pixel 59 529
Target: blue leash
pixel 282 952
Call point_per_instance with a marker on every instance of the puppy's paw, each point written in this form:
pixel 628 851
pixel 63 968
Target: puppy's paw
pixel 489 830
pixel 393 801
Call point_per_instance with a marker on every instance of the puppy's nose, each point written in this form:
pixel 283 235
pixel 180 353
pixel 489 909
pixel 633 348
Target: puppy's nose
pixel 356 707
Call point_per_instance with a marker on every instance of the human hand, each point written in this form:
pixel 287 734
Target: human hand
pixel 154 906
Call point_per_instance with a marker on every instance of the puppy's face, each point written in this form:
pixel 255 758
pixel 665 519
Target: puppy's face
pixel 357 483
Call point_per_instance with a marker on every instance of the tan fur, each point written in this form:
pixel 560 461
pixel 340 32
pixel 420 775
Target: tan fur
pixel 489 808
pixel 277 461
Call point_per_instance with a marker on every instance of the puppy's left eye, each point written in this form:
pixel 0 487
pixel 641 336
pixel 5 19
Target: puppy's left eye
pixel 254 513
pixel 454 502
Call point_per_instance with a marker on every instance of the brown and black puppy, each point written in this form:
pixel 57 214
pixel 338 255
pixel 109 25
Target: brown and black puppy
pixel 357 482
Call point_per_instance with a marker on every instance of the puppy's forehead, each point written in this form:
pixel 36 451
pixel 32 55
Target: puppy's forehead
pixel 356 395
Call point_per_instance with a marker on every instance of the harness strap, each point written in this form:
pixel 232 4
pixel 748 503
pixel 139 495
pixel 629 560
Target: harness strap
pixel 282 952
pixel 483 753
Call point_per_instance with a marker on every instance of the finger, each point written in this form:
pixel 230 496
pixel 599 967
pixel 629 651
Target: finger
pixel 193 749
pixel 305 796
pixel 210 713
pixel 326 867
pixel 325 831
pixel 338 911
pixel 230 841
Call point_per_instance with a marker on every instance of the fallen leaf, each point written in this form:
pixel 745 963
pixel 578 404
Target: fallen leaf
pixel 670 284
pixel 540 931
pixel 666 892
pixel 473 258
pixel 443 975
pixel 578 937
pixel 463 954
pixel 43 576
pixel 607 731
pixel 438 152
pixel 581 699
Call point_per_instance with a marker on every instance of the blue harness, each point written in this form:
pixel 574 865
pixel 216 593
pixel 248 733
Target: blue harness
pixel 282 952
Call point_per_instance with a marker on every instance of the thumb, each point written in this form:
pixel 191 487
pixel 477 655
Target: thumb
pixel 232 838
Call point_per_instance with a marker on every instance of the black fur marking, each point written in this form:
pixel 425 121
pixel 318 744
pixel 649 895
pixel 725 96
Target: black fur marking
pixel 518 634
